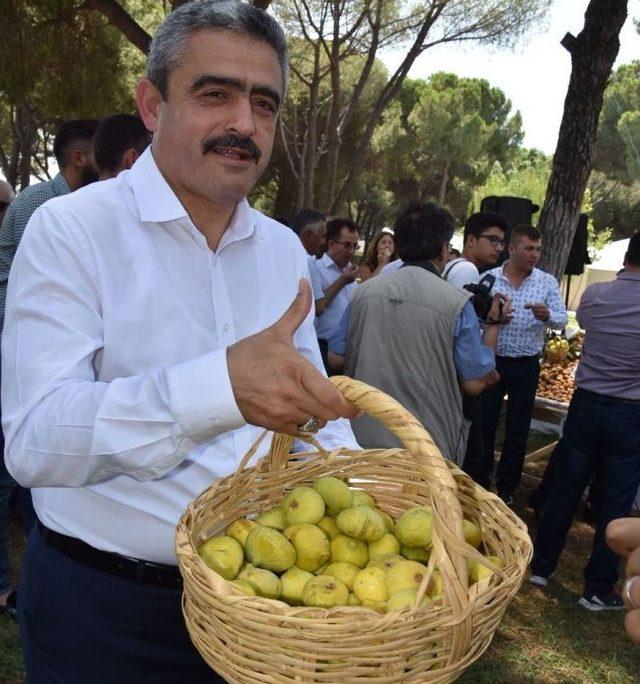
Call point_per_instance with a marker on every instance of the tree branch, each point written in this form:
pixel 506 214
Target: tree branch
pixel 121 19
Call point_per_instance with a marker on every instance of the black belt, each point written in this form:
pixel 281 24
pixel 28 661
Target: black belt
pixel 514 359
pixel 140 571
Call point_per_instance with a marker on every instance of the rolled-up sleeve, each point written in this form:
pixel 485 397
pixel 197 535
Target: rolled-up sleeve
pixel 557 310
pixel 472 358
pixel 64 427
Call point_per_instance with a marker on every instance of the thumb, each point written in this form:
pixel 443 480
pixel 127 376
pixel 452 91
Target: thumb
pixel 293 317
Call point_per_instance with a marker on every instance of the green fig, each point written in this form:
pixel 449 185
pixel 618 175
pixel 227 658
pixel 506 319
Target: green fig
pixel 405 598
pixel 404 575
pixel 329 527
pixel 369 585
pixel 387 544
pixel 244 587
pixel 385 562
pixel 311 545
pixel 388 521
pixel 269 549
pixel 472 534
pixel 273 517
pixel 336 494
pixel 349 550
pixel 325 591
pixel 264 582
pixel 343 571
pixel 240 528
pixel 303 505
pixel 415 553
pixel 361 498
pixel 222 554
pixel 361 522
pixel 414 527
pixel 294 581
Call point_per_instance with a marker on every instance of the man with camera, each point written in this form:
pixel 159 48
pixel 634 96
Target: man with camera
pixel 417 338
pixel 484 240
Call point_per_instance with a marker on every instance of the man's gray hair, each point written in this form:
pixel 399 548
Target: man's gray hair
pixel 169 40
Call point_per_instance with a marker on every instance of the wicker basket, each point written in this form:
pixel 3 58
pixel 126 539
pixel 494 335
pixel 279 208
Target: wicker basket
pixel 250 639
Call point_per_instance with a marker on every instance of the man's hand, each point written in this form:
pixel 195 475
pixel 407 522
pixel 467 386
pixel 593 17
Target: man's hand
pixel 539 311
pixel 623 537
pixel 501 310
pixel 274 385
pixel 349 273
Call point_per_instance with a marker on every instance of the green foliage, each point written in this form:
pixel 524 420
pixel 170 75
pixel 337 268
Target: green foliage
pixel 528 177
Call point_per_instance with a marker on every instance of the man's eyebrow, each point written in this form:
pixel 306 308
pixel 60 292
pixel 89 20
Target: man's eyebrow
pixel 236 84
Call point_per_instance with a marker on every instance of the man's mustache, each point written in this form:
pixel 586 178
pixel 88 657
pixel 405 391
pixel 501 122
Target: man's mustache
pixel 226 141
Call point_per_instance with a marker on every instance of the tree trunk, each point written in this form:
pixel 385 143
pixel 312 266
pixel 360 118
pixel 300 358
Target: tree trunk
pixel 444 182
pixel 593 53
pixel 122 20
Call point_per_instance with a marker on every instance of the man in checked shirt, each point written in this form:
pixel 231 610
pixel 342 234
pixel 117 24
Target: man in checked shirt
pixel 537 305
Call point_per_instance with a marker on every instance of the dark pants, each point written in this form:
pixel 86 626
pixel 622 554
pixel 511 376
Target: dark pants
pixel 82 626
pixel 475 464
pixel 601 434
pixel 518 379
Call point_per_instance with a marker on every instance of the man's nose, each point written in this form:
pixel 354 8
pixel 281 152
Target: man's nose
pixel 241 117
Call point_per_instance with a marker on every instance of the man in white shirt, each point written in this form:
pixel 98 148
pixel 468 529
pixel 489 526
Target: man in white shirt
pixel 334 275
pixel 484 235
pixel 149 328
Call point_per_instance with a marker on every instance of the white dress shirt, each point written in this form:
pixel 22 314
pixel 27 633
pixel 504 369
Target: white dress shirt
pixel 325 273
pixel 524 335
pixel 117 404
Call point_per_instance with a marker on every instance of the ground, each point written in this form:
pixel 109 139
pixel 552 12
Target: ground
pixel 544 638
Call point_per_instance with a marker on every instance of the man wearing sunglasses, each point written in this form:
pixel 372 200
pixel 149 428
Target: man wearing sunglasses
pixel 334 275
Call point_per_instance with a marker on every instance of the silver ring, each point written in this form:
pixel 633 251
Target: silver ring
pixel 311 425
pixel 626 592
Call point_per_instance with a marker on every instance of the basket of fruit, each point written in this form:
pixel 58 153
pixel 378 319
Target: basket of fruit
pixel 377 565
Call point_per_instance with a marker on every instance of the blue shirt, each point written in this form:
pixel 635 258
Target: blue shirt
pixel 325 272
pixel 15 221
pixel 471 357
pixel 524 335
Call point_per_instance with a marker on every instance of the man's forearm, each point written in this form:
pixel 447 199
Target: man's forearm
pixel 490 336
pixel 331 292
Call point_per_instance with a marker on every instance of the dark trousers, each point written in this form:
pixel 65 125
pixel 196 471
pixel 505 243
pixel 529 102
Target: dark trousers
pixel 601 434
pixel 82 626
pixel 518 379
pixel 475 464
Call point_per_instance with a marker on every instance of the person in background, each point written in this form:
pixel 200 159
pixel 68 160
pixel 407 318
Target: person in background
pixel 484 235
pixel 119 141
pixel 6 197
pixel 311 227
pixel 623 538
pixel 381 252
pixel 334 275
pixel 453 254
pixel 73 150
pixel 417 338
pixel 156 324
pixel 601 433
pixel 537 305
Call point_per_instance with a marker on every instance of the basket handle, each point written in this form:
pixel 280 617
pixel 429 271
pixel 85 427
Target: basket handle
pixel 448 536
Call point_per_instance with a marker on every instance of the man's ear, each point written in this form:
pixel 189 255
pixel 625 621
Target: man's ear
pixel 148 99
pixel 76 157
pixel 129 158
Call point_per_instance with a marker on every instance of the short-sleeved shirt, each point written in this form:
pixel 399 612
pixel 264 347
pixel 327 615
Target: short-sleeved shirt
pixel 460 272
pixel 316 287
pixel 325 273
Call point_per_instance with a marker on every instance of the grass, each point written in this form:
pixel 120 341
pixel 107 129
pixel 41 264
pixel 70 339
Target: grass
pixel 544 638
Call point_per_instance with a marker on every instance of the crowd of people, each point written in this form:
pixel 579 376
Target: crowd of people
pixel 154 323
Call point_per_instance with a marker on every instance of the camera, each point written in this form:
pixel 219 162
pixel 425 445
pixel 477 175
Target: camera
pixel 482 298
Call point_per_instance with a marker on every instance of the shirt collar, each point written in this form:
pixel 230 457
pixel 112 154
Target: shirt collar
pixel 629 275
pixel 327 261
pixel 158 203
pixel 59 185
pixel 155 199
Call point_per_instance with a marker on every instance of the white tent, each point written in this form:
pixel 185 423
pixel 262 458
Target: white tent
pixel 602 270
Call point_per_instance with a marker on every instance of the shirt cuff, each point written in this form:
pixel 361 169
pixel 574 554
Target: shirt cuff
pixel 201 396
